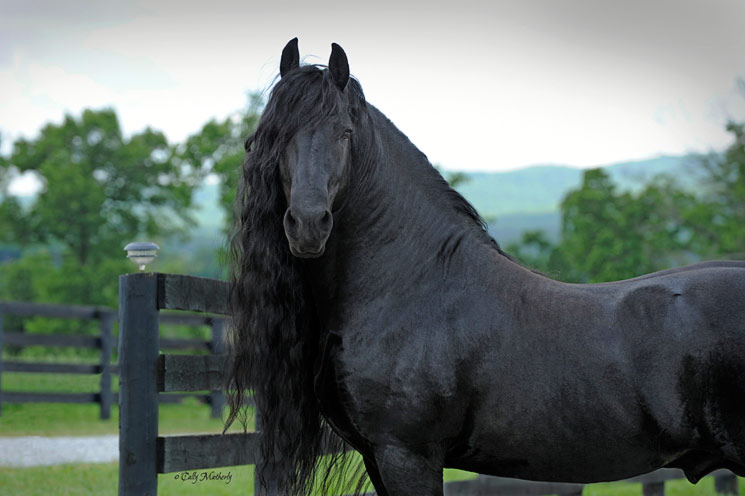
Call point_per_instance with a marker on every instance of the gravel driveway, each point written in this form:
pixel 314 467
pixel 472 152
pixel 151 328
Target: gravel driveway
pixel 30 451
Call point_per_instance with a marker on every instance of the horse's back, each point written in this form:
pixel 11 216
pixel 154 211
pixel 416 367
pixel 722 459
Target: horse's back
pixel 699 306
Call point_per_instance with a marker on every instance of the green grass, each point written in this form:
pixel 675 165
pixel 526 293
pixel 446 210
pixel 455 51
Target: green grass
pixel 672 488
pixel 49 419
pixel 55 419
pixel 102 480
pixel 68 383
pixel 62 419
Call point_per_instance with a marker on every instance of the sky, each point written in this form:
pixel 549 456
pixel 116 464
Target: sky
pixel 476 85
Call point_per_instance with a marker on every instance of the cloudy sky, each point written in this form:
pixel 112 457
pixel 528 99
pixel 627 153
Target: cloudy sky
pixel 477 85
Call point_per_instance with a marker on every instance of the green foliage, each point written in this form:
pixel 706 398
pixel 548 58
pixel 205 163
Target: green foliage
pixel 456 179
pixel 100 189
pixel 534 250
pixel 13 229
pixel 608 235
pixel 219 148
pixel 37 276
pixel 720 217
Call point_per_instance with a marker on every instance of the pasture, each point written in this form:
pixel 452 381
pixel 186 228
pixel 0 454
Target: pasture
pixel 101 480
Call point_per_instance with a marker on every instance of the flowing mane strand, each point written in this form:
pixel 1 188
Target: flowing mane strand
pixel 275 334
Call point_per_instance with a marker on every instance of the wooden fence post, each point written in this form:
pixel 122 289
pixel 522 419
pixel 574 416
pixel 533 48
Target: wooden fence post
pixel 725 484
pixel 653 489
pixel 106 322
pixel 138 391
pixel 217 347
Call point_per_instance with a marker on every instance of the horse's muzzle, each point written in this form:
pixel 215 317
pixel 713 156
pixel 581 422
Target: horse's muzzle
pixel 307 232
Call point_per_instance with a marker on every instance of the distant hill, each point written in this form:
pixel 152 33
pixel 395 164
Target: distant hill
pixel 529 199
pixel 541 188
pixel 514 201
pixel 509 228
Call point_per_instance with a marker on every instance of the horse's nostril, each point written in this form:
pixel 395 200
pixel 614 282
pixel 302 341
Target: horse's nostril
pixel 326 220
pixel 290 221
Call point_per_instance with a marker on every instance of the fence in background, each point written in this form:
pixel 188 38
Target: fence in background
pixel 104 342
pixel 143 454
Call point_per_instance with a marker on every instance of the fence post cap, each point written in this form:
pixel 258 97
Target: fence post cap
pixel 142 252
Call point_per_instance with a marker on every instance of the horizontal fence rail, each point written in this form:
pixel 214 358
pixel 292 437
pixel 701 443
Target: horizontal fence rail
pixel 191 372
pixel 56 340
pixel 104 342
pixel 195 452
pixel 195 294
pixel 54 310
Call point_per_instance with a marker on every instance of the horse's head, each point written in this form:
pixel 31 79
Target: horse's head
pixel 315 161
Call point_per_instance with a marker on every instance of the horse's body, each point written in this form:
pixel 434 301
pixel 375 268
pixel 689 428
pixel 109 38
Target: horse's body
pixel 431 348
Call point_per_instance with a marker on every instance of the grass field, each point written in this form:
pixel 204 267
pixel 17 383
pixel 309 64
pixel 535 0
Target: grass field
pixel 61 419
pixel 102 480
pixel 45 419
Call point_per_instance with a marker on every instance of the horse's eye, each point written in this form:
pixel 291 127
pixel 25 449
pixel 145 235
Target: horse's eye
pixel 346 134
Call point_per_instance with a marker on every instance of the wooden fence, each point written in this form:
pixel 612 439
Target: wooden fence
pixel 145 373
pixel 106 317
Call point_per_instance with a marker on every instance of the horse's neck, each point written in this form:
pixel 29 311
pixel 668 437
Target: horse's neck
pixel 398 228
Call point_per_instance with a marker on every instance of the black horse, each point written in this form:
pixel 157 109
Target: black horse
pixel 368 296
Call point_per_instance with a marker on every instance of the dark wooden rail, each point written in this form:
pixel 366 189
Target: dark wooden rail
pixel 145 374
pixel 106 316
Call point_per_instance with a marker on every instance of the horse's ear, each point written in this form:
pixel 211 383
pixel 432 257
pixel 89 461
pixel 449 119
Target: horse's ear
pixel 339 66
pixel 290 58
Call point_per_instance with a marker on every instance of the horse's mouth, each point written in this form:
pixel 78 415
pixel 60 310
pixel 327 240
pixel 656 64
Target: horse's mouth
pixel 308 253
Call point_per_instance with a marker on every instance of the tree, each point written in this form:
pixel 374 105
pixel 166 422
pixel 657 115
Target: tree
pixel 534 250
pixel 100 190
pixel 720 217
pixel 219 148
pixel 609 236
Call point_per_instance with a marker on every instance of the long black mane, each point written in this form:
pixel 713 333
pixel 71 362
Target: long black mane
pixel 276 335
pixel 277 339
